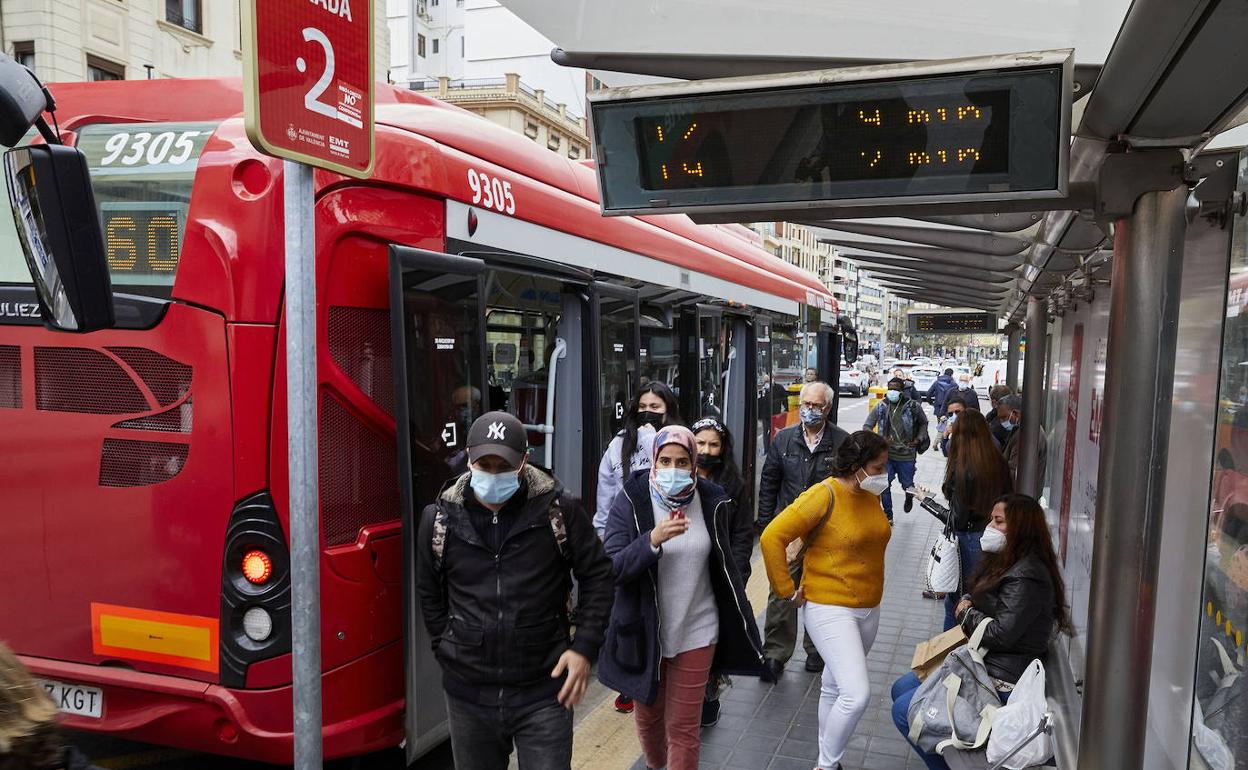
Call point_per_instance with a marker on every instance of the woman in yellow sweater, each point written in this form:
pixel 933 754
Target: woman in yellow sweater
pixel 841 521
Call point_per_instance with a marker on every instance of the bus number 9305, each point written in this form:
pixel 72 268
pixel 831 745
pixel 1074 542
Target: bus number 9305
pixel 491 192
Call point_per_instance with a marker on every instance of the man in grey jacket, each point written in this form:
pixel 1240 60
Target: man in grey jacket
pixel 798 457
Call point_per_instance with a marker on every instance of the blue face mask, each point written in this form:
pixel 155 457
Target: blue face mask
pixel 811 417
pixel 1007 424
pixel 953 417
pixel 495 488
pixel 672 481
pixel 893 396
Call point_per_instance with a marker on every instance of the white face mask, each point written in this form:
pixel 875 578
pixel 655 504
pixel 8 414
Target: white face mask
pixel 992 541
pixel 874 484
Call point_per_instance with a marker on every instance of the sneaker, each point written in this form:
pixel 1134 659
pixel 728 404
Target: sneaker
pixel 710 712
pixel 814 663
pixel 623 704
pixel 909 503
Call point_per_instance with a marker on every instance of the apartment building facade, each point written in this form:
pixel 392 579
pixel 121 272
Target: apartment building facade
pixel 76 40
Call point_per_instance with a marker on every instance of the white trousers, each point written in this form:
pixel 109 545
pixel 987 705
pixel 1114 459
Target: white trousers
pixel 843 636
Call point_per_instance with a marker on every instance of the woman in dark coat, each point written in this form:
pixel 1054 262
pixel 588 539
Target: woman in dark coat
pixel 680 609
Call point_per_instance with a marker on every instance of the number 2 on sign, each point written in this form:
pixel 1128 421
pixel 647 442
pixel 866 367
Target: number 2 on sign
pixel 491 192
pixel 312 99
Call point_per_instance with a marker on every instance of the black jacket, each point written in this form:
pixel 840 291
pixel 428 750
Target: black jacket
pixel 791 468
pixel 740 524
pixel 499 620
pixel 961 494
pixel 1021 607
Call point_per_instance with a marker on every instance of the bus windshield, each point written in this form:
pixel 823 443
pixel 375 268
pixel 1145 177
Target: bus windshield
pixel 142 175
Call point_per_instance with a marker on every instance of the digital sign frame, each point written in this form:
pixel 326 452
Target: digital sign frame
pixel 951 323
pixel 982 129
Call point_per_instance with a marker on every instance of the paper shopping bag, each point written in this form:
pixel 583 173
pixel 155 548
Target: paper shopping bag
pixel 930 654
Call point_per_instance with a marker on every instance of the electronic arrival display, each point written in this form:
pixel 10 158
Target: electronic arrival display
pixel 952 323
pixel 987 134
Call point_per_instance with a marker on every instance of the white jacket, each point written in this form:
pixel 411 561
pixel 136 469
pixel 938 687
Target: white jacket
pixel 611 474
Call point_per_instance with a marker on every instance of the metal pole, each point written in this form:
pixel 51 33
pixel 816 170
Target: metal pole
pixel 305 538
pixel 1030 474
pixel 1144 310
pixel 1013 343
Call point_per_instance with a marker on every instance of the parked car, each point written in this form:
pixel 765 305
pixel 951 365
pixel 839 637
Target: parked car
pixel 992 373
pixel 853 381
pixel 923 377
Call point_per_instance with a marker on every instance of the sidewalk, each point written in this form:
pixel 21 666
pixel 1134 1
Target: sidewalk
pixel 775 727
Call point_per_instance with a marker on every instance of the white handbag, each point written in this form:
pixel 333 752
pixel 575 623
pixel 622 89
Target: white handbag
pixel 1016 722
pixel 944 564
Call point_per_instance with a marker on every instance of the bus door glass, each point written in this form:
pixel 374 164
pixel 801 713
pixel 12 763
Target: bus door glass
pixel 437 315
pixel 660 347
pixel 523 314
pixel 770 395
pixel 616 318
pixel 713 351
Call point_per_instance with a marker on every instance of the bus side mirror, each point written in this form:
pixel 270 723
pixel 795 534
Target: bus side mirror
pixel 22 100
pixel 849 340
pixel 54 209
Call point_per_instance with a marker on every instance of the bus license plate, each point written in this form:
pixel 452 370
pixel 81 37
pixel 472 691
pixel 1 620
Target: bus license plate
pixel 76 699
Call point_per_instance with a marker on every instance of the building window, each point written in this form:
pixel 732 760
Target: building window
pixel 554 141
pixel 530 130
pixel 434 3
pixel 574 152
pixel 435 45
pixel 103 69
pixel 420 45
pixel 461 44
pixel 24 54
pixel 185 13
pixel 459 3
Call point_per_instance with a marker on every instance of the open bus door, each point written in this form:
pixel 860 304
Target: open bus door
pixel 436 314
pixel 473 335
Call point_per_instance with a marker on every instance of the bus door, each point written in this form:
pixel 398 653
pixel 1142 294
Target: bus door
pixel 704 354
pixel 615 344
pixel 740 405
pixel 470 337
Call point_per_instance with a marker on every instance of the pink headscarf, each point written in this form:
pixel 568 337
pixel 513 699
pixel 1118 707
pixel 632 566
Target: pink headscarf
pixel 682 436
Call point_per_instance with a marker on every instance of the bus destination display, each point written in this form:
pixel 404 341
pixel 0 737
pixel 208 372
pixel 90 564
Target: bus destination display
pixel 988 134
pixel 143 240
pixel 952 323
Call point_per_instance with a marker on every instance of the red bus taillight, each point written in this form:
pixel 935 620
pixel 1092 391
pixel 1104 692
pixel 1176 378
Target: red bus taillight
pixel 257 567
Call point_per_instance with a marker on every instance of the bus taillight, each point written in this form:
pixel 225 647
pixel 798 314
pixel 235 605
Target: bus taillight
pixel 257 567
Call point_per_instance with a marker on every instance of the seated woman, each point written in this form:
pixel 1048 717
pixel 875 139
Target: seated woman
pixel 1018 585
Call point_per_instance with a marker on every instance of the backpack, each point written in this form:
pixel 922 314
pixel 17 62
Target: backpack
pixel 558 529
pixel 957 703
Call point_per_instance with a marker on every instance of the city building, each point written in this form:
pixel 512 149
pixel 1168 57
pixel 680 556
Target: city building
pixel 74 40
pixel 479 55
pixel 512 103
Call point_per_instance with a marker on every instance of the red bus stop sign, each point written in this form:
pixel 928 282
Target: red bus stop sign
pixel 309 81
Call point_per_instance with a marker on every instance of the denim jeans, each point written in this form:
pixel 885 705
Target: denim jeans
pixel 482 737
pixel 903 692
pixel 902 470
pixel 969 554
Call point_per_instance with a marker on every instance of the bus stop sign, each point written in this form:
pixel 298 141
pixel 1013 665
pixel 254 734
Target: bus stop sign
pixel 309 81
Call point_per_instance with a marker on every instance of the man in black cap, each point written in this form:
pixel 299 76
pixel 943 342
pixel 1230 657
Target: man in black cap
pixel 496 555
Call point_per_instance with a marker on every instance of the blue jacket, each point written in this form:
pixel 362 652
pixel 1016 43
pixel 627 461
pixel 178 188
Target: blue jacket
pixel 939 393
pixel 629 660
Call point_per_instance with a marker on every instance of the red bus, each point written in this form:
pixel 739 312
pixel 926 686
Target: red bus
pixel 144 483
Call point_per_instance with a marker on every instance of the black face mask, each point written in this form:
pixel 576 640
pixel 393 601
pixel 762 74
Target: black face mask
pixel 653 419
pixel 710 462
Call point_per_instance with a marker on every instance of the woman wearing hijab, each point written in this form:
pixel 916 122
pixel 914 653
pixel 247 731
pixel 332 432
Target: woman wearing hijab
pixel 680 610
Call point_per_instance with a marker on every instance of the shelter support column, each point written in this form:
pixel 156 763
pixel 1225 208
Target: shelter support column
pixel 1144 310
pixel 1030 473
pixel 1013 343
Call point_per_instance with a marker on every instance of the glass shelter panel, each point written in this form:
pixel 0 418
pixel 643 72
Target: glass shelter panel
pixel 1220 723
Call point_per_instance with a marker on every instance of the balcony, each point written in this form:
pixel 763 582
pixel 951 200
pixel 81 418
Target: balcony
pixel 479 94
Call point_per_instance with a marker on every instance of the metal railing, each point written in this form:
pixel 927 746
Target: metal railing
pixel 184 14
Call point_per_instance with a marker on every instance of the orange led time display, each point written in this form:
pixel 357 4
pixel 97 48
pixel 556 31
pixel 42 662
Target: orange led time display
pixel 888 138
pixel 952 323
pixel 988 133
